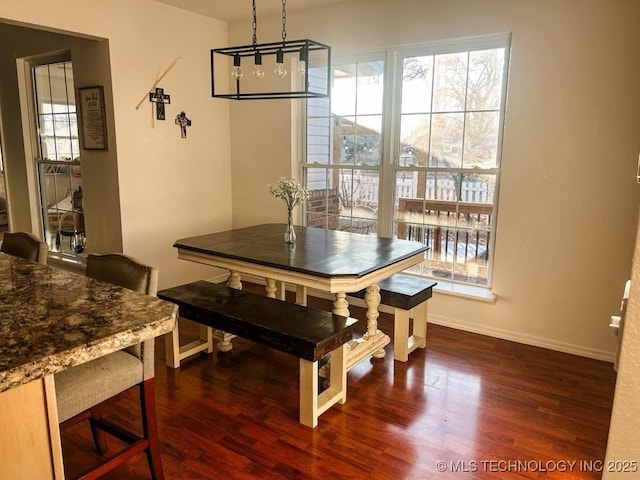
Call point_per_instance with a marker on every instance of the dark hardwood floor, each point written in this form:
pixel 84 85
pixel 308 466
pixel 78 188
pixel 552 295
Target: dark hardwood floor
pixel 476 403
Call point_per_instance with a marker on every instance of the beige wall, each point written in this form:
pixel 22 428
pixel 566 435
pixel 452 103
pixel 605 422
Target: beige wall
pixel 623 444
pixel 151 187
pixel 568 197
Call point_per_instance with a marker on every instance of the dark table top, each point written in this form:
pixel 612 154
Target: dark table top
pixel 325 253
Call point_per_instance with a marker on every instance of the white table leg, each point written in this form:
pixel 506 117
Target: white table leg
pixel 234 281
pixel 301 295
pixel 271 287
pixel 372 299
pixel 224 338
pixel 373 341
pixel 340 305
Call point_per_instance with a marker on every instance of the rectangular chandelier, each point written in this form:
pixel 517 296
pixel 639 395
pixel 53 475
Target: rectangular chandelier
pixel 259 71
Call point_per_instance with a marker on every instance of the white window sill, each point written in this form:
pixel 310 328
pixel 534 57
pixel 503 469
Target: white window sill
pixel 481 294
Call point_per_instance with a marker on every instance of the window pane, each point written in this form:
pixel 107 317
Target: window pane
pixel 58 78
pixel 458 255
pixel 485 79
pixel 322 207
pixel 46 124
pixel 61 125
pixel 478 188
pixel 343 91
pixel 417 80
pixel 358 200
pixel 318 140
pixel 370 88
pixel 481 139
pixel 414 140
pixel 446 140
pixel 367 140
pixel 345 132
pixel 42 87
pixel 450 82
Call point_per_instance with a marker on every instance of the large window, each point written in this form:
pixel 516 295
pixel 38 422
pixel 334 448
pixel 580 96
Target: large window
pixel 409 145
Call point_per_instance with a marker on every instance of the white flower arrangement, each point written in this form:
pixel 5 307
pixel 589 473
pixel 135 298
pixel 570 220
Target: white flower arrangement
pixel 290 191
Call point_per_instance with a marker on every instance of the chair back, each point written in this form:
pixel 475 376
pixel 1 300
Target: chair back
pixel 127 272
pixel 25 245
pixel 124 271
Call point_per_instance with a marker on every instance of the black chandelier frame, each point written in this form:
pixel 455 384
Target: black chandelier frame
pixel 305 48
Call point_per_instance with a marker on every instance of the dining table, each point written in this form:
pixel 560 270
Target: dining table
pixel 337 262
pixel 51 320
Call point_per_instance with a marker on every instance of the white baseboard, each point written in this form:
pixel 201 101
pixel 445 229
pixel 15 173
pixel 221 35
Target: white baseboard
pixel 517 337
pixel 509 335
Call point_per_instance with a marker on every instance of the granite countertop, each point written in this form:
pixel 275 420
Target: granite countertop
pixel 52 319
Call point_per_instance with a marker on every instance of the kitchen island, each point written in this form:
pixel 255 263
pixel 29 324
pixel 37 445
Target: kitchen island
pixel 51 320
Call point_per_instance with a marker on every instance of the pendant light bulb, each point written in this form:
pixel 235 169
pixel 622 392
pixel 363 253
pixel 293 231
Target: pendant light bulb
pixel 236 72
pixel 302 68
pixel 302 62
pixel 280 71
pixel 258 71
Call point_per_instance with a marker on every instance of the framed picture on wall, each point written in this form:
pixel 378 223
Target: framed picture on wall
pixel 92 116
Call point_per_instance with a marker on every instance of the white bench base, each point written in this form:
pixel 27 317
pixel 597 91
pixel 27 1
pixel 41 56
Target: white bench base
pixel 176 352
pixel 403 344
pixel 312 404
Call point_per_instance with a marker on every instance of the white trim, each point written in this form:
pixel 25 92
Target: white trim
pixel 438 47
pixel 526 339
pixel 481 294
pixel 478 42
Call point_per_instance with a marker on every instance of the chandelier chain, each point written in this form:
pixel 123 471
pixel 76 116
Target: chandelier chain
pixel 284 21
pixel 254 25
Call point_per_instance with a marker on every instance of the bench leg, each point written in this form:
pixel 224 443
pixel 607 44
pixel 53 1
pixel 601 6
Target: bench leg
pixel 313 405
pixel 176 352
pixel 420 325
pixel 172 347
pixel 403 344
pixel 401 334
pixel 206 336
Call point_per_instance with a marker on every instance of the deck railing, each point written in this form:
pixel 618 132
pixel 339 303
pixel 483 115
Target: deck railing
pixel 457 233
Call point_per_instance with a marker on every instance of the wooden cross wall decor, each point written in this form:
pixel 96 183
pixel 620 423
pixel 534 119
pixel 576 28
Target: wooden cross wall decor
pixel 159 98
pixel 183 122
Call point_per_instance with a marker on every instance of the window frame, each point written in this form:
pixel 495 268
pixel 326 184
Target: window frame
pixel 391 135
pixel 69 169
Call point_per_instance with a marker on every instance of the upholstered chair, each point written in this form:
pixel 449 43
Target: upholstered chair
pixel 25 245
pixel 82 390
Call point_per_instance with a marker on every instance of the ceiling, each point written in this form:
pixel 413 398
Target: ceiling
pixel 234 10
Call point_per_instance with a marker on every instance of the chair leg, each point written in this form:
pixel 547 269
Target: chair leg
pixel 150 428
pixel 99 436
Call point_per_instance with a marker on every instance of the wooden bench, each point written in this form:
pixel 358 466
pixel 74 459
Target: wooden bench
pixel 403 293
pixel 307 333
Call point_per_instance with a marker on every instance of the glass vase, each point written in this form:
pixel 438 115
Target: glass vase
pixel 289 233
